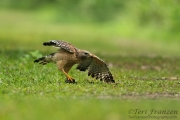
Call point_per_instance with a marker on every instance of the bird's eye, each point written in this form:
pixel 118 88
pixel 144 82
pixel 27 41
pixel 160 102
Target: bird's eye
pixel 86 53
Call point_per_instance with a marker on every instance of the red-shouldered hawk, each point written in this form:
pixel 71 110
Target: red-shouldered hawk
pixel 68 55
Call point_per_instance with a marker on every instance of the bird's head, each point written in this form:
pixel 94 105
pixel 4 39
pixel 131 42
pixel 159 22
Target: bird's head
pixel 83 54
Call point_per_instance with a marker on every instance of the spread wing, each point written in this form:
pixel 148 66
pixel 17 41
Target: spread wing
pixel 61 44
pixel 96 68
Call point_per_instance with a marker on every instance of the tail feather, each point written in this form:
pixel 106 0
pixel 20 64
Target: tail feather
pixel 44 60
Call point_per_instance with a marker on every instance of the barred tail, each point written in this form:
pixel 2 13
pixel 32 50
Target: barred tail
pixel 46 59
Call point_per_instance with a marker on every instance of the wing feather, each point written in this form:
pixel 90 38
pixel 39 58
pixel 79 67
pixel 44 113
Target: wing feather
pixel 61 44
pixel 97 68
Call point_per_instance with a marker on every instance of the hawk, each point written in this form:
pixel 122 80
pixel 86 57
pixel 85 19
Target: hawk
pixel 68 55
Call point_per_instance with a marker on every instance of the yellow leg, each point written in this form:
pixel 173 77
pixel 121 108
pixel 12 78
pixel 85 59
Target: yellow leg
pixel 68 77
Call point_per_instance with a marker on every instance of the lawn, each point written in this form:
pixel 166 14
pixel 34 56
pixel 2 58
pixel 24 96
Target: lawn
pixel 146 73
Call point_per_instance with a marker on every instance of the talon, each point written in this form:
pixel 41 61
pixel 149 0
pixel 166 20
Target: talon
pixel 70 81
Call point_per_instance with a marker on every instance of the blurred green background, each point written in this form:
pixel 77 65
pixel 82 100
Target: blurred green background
pixel 139 40
pixel 119 27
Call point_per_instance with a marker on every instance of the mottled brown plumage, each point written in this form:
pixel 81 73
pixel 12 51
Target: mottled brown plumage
pixel 68 55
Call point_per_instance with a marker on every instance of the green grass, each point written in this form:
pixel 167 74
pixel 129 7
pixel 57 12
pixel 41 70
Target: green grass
pixel 32 91
pixel 146 73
